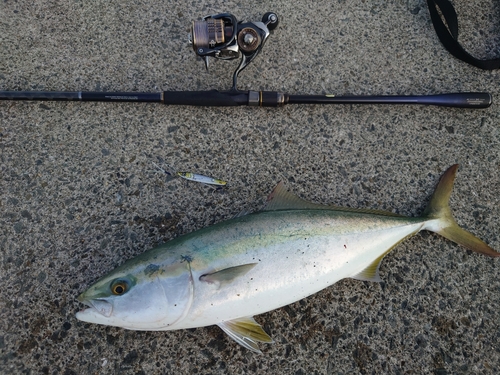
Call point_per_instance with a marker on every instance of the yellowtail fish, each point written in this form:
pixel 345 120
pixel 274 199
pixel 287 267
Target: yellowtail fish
pixel 229 272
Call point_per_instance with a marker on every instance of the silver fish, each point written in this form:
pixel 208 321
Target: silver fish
pixel 190 176
pixel 229 272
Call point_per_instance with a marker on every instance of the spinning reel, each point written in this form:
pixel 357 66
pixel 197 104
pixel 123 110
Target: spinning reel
pixel 223 37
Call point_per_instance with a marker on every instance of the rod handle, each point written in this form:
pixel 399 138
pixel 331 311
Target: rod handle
pixel 459 100
pixel 211 98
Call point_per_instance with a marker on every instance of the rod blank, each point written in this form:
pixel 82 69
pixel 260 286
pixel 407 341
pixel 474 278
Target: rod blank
pixel 85 96
pixel 458 100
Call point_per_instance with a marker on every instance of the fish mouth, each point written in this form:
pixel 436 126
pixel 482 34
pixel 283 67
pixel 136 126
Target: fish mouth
pixel 98 305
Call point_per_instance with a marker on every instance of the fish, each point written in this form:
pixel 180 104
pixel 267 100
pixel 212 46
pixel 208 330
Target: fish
pixel 190 176
pixel 201 178
pixel 227 273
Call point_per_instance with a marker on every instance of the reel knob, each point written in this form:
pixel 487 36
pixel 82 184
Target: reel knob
pixel 270 19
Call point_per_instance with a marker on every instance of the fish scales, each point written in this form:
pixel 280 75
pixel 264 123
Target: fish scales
pixel 297 254
pixel 315 247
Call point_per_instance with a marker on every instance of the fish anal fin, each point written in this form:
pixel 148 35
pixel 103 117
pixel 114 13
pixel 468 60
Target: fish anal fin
pixel 371 273
pixel 227 275
pixel 246 332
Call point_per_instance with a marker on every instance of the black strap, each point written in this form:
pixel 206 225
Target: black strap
pixel 448 35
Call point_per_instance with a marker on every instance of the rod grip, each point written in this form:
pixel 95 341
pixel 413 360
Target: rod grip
pixel 459 100
pixel 211 98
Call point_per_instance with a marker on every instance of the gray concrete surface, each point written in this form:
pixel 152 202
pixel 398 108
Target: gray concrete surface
pixel 79 194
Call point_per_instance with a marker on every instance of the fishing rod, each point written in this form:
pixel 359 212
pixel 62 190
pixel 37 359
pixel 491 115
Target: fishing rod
pixel 223 37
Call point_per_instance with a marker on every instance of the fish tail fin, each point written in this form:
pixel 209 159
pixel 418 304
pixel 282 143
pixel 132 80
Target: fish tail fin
pixel 441 219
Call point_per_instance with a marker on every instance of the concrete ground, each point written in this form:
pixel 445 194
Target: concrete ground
pixel 79 193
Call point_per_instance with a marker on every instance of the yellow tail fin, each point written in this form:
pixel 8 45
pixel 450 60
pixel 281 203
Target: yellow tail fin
pixel 444 224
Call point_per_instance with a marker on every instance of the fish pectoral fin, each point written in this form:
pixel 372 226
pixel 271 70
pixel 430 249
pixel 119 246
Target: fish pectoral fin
pixel 246 332
pixel 227 275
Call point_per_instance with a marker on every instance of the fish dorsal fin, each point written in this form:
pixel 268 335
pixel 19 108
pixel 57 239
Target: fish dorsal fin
pixel 246 332
pixel 226 275
pixel 241 214
pixel 281 199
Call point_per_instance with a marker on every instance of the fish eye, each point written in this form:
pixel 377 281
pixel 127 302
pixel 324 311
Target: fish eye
pixel 119 287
